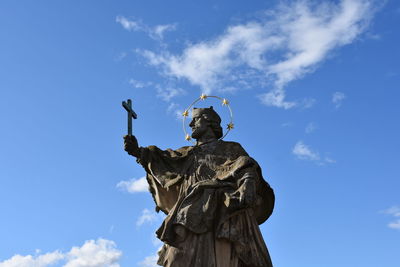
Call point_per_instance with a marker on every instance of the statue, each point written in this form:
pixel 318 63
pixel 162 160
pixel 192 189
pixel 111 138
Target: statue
pixel 214 197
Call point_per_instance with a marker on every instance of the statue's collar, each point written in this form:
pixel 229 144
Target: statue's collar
pixel 208 143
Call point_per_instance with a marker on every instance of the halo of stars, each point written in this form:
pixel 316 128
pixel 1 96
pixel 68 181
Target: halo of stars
pixel 203 97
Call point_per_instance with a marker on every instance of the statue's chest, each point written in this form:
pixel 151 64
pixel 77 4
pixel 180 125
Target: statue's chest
pixel 205 165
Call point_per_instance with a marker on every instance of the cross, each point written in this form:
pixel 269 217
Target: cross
pixel 131 114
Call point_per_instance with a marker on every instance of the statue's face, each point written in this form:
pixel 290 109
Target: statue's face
pixel 199 126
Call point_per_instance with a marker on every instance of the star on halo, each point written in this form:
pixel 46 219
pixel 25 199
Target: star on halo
pixel 203 96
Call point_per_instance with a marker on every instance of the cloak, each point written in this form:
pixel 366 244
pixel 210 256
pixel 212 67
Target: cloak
pixel 199 188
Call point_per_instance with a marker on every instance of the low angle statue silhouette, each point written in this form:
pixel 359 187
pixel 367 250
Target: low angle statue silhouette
pixel 214 197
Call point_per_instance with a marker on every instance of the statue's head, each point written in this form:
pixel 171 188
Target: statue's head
pixel 203 120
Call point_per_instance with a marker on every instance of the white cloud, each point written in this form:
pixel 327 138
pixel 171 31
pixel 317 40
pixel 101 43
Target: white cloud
pixel 99 253
pixel 310 127
pixel 147 216
pixel 302 151
pixel 134 185
pixel 395 212
pixel 276 98
pixel 337 98
pixel 156 32
pixel 29 260
pixel 288 43
pixel 395 224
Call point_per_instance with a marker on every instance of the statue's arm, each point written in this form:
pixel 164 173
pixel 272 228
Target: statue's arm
pixel 164 165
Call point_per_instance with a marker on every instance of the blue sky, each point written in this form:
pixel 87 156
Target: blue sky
pixel 313 86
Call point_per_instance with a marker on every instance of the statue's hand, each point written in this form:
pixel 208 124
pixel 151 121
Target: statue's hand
pixel 131 145
pixel 248 195
pixel 244 197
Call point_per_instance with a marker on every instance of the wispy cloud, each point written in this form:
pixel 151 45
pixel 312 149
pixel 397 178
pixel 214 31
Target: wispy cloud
pixel 134 185
pixel 302 151
pixel 337 98
pixel 157 32
pixel 168 93
pixel 395 212
pixel 289 42
pixel 287 124
pixel 311 127
pixel 176 110
pixel 140 84
pixel 128 24
pixel 93 253
pixel 329 160
pixel 147 216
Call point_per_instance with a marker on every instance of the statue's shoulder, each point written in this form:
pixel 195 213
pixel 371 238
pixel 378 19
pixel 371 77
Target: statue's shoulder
pixel 230 143
pixel 182 151
pixel 231 147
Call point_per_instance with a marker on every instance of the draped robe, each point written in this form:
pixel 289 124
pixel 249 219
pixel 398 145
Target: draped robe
pixel 198 188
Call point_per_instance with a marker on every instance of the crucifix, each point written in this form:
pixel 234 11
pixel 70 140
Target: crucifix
pixel 131 114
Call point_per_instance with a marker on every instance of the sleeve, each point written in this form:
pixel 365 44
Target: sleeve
pixel 166 166
pixel 165 170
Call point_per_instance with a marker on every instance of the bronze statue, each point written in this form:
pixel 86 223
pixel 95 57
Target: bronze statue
pixel 214 197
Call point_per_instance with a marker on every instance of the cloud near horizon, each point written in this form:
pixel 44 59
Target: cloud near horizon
pixel 289 42
pixel 93 253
